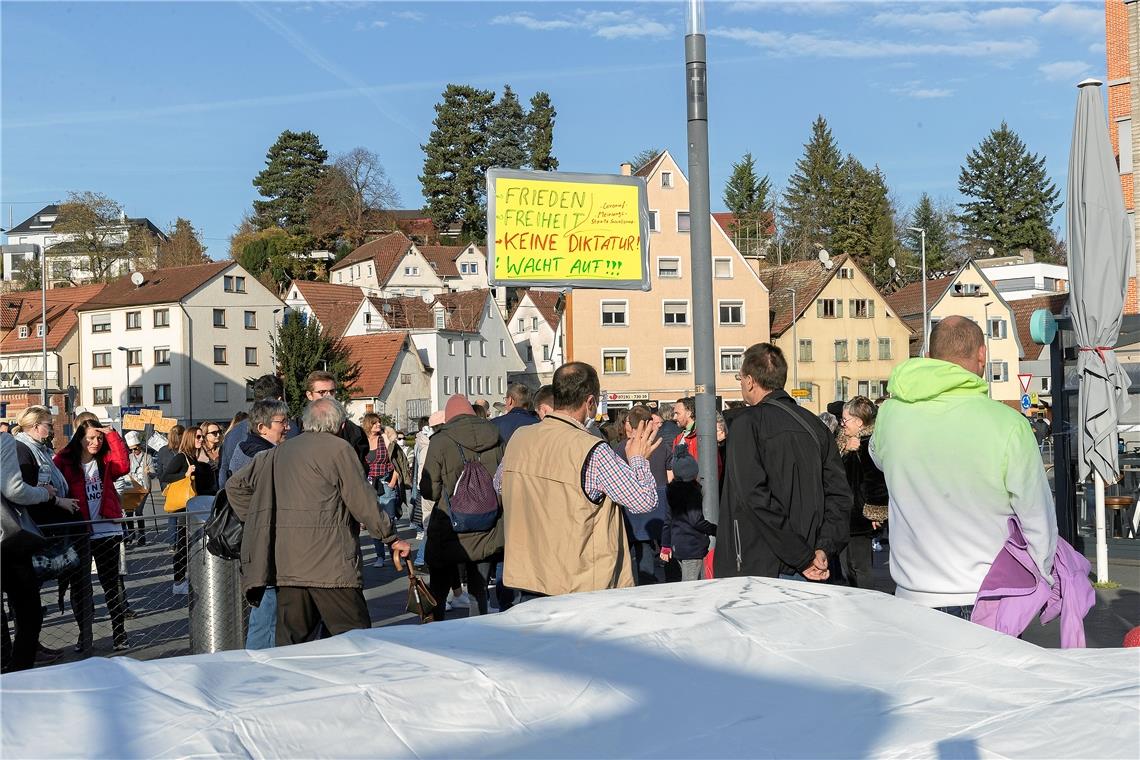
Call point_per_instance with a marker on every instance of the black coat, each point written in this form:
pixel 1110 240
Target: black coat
pixel 785 492
pixel 868 486
pixel 686 529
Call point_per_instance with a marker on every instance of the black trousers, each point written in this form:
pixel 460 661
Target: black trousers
pixel 300 609
pixel 856 561
pixel 445 578
pixel 105 551
pixel 23 591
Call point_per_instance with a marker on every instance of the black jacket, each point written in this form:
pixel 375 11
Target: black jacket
pixel 205 477
pixel 868 486
pixel 686 529
pixel 785 492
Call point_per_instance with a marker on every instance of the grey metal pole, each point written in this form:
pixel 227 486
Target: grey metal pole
pixel 43 321
pixel 700 249
pixel 989 363
pixel 925 313
pixel 795 344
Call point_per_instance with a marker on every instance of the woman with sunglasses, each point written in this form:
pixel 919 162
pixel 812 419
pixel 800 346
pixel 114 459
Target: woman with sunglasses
pixel 91 462
pixel 187 463
pixel 210 453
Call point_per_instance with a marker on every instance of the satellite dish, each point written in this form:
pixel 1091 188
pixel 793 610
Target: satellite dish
pixel 824 257
pixel 427 298
pixel 892 263
pixel 828 264
pixel 137 278
pixel 991 250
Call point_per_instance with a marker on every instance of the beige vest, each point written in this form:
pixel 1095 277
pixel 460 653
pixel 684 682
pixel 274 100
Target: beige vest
pixel 558 541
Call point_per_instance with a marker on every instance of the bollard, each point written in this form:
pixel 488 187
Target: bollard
pixel 216 610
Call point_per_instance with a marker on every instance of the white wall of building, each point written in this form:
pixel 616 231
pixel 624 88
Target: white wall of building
pixel 535 340
pixel 1020 281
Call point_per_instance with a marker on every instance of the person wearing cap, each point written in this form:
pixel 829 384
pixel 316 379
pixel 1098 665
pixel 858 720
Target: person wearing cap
pixel 685 536
pixel 561 489
pixel 133 489
pixel 464 437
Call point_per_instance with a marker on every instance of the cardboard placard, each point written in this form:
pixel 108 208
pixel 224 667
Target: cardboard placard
pixel 134 422
pixel 164 424
pixel 150 414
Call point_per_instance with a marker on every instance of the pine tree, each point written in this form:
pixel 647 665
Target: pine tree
pixel 941 238
pixel 301 346
pixel 811 207
pixel 643 157
pixel 507 143
pixel 746 196
pixel 293 167
pixel 455 160
pixel 183 248
pixel 1012 200
pixel 540 133
pixel 865 219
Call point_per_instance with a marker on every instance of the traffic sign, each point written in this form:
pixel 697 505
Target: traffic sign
pixel 1025 379
pixel 1025 403
pixel 801 393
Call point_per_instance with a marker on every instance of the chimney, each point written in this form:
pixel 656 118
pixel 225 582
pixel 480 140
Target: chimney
pixel 626 169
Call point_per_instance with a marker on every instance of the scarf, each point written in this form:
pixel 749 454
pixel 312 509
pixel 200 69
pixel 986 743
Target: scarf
pixel 44 454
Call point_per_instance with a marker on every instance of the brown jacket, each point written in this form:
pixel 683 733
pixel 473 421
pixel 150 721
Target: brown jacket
pixel 301 504
pixel 558 541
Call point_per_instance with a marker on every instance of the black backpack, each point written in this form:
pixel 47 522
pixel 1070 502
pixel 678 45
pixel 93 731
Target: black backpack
pixel 223 529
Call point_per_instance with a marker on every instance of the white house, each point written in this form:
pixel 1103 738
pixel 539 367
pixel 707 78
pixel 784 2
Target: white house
pixel 1016 279
pixel 393 380
pixel 39 231
pixel 536 329
pixel 331 305
pixel 187 339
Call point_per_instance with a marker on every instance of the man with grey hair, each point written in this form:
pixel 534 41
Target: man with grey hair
pixel 301 503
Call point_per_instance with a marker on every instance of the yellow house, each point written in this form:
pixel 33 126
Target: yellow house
pixel 969 293
pixel 642 342
pixel 845 339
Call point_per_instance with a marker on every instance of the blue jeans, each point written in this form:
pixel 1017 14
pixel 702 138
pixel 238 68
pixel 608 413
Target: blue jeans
pixel 263 622
pixel 387 499
pixel 963 611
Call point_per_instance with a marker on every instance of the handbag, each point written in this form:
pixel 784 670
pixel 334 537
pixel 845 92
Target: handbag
pixel 224 530
pixel 17 528
pixel 56 558
pixel 874 513
pixel 179 492
pixel 420 600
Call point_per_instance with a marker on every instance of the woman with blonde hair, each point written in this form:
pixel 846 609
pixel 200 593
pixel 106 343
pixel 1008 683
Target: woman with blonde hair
pixel 381 474
pixel 868 486
pixel 185 463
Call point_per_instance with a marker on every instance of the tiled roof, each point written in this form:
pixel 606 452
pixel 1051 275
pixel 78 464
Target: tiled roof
pixel 23 308
pixel 332 305
pixel 386 252
pixel 465 309
pixel 29 226
pixel 168 285
pixel 377 354
pixel 1023 312
pixel 646 169
pixel 546 301
pixel 407 313
pixel 442 258
pixel 806 278
pixel 907 302
pixel 726 219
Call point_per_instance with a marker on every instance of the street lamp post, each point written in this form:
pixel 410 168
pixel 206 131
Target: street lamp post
pixel 989 364
pixel 795 342
pixel 43 321
pixel 925 318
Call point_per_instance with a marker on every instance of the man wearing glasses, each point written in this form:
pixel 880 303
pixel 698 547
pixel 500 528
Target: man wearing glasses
pixel 320 384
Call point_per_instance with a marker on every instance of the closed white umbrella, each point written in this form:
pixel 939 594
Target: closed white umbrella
pixel 1100 256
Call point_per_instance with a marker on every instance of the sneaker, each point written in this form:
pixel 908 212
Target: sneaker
pixel 463 600
pixel 122 646
pixel 379 562
pixel 447 606
pixel 419 535
pixel 876 546
pixel 181 589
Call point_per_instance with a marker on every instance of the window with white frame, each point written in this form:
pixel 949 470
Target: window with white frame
pixel 534 324
pixel 250 355
pixel 24 331
pixel 101 323
pixel 614 313
pixel 446 385
pixel 731 359
pixel 666 179
pixel 863 350
pixel 675 312
pixel 841 350
pixel 731 312
pixel 881 389
pixel 862 308
pixel 722 268
pixel 999 371
pixel 502 347
pixel 998 327
pixel 411 271
pixel 676 360
pixel 450 347
pixel 251 320
pixel 219 317
pixel 806 350
pixel 654 220
pixel 101 359
pixel 39 329
pixel 100 396
pixel 615 361
pixel 884 348
pixel 440 319
pixel 668 267
pixel 483 348
pixel 468 348
pixel 221 393
pixel 683 221
pixel 545 353
pixel 845 273
pixel 829 308
pixel 863 388
pixel 502 386
pixel 473 267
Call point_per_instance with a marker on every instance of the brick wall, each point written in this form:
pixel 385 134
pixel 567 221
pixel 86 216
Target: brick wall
pixel 18 400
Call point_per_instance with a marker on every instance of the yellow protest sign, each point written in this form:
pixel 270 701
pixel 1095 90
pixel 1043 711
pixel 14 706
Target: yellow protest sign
pixel 566 229
pixel 150 414
pixel 163 424
pixel 133 422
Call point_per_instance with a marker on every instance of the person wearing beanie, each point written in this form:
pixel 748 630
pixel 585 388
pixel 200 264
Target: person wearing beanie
pixel 685 536
pixel 133 489
pixel 464 437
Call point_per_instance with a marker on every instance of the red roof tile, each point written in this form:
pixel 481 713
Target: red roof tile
pixel 332 305
pixel 169 285
pixel 406 313
pixel 907 302
pixel 646 169
pixel 464 309
pixel 547 303
pixel 442 258
pixel 377 354
pixel 23 308
pixel 806 278
pixel 386 252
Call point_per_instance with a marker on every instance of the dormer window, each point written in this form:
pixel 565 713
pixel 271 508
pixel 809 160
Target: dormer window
pixel 23 331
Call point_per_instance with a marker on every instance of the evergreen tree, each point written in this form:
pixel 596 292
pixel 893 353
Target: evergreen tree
pixel 455 160
pixel 507 142
pixel 183 248
pixel 811 205
pixel 746 196
pixel 540 133
pixel 643 157
pixel 1012 200
pixel 864 219
pixel 293 167
pixel 301 346
pixel 941 238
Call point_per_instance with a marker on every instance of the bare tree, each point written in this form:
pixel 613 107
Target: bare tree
pixel 348 196
pixel 96 229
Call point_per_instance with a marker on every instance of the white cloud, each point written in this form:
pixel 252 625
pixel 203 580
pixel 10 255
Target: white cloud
pixel 610 25
pixel 813 8
pixel 363 27
pixel 409 15
pixel 1082 18
pixel 916 90
pixel 1007 17
pixel 1097 47
pixel 781 44
pixel 943 21
pixel 1065 71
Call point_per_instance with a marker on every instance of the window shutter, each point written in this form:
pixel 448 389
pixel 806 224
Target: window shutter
pixel 839 308
pixel 819 307
pixel 870 308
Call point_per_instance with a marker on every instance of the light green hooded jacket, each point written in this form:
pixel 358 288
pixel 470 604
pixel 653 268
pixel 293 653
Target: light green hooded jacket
pixel 958 464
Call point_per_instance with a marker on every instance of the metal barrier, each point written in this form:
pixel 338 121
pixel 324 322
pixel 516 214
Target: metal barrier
pixel 219 613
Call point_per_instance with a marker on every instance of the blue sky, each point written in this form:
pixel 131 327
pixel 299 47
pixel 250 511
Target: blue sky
pixel 170 107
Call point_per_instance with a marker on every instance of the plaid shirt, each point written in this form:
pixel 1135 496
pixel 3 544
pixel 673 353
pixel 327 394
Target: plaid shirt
pixel 380 468
pixel 630 485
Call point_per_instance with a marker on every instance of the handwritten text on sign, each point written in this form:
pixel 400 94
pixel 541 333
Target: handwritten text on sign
pixel 557 231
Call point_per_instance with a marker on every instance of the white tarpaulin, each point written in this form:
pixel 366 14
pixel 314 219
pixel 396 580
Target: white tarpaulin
pixel 727 668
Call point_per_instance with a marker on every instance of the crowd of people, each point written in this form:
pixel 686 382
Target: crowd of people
pixel 541 499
